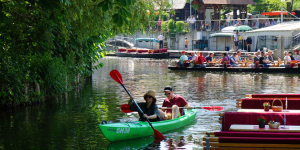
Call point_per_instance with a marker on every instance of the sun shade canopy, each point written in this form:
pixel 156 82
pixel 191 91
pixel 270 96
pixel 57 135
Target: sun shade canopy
pixel 275 13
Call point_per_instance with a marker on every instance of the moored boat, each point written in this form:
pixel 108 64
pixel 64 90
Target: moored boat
pixel 130 130
pixel 159 53
pixel 240 69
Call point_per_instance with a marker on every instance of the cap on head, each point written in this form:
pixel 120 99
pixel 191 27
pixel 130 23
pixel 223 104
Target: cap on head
pixel 185 37
pixel 183 52
pixel 296 50
pixel 168 88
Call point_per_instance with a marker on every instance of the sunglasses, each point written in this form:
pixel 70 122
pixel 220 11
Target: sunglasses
pixel 167 94
pixel 149 97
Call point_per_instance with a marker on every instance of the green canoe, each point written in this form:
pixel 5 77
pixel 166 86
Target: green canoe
pixel 130 130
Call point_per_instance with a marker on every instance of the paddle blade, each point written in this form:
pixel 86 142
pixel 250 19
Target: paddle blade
pixel 126 108
pixel 116 76
pixel 213 108
pixel 158 135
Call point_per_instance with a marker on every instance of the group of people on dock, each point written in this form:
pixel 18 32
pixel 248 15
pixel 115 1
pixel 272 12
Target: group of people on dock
pixel 259 59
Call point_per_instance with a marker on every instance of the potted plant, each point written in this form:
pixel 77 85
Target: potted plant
pixel 261 121
pixel 266 106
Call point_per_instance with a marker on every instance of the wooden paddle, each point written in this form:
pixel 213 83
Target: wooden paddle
pixel 126 108
pixel 118 78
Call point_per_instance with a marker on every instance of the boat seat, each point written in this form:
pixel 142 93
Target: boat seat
pixel 150 51
pixel 156 51
pixel 142 51
pixel 293 63
pixel 226 64
pixel 186 63
pixel 122 50
pixel 131 50
pixel 163 50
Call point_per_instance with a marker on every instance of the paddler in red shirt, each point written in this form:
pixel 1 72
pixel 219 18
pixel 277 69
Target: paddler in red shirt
pixel 173 101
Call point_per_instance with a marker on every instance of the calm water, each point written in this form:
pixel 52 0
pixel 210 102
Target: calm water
pixel 71 121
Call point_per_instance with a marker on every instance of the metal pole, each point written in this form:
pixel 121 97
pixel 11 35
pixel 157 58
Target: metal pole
pixel 190 8
pixel 281 15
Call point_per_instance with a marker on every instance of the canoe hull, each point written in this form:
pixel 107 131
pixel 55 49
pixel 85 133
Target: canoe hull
pixel 143 55
pixel 240 69
pixel 129 130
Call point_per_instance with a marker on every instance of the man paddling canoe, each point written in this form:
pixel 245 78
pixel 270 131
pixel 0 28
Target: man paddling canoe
pixel 173 101
pixel 149 108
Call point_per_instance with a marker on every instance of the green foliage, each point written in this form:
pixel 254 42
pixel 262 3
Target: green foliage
pixel 164 26
pixel 266 5
pixel 186 27
pixel 171 25
pixel 165 16
pixel 47 44
pixel 179 26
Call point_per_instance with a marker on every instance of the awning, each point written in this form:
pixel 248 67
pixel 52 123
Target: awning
pixel 275 13
pixel 220 34
pixel 228 29
pixel 237 13
pixel 286 29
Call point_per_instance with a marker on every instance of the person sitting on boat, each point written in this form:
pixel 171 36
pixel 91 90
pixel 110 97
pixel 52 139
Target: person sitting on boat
pixel 291 55
pixel 200 61
pixel 255 59
pixel 209 58
pixel 238 56
pixel 190 56
pixel 173 101
pixel 265 55
pixel 224 58
pixel 259 54
pixel 182 59
pixel 193 61
pixel 270 56
pixel 287 60
pixel 149 107
pixel 297 56
pixel 233 63
pixel 263 62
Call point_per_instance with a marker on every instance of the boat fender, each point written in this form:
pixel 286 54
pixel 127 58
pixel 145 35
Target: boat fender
pixel 104 122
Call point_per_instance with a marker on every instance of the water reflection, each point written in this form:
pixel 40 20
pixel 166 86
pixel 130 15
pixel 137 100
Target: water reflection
pixel 71 121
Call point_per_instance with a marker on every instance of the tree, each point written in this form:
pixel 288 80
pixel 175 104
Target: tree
pixel 48 44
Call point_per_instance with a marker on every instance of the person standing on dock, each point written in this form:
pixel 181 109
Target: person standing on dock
pixel 173 101
pixel 236 40
pixel 188 20
pixel 161 41
pixel 192 22
pixel 228 20
pixel 186 43
pixel 249 44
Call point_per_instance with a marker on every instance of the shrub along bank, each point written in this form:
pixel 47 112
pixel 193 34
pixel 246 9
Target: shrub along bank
pixel 46 45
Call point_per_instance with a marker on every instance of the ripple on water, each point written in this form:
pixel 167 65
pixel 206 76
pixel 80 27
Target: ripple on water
pixel 71 122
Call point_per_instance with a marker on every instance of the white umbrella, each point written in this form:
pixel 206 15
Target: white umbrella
pixel 228 29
